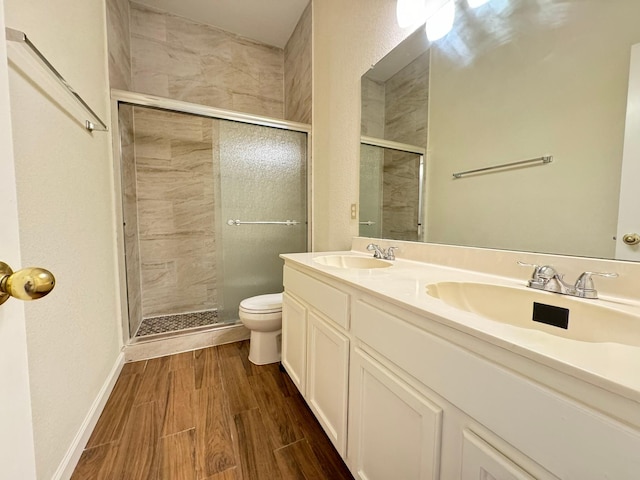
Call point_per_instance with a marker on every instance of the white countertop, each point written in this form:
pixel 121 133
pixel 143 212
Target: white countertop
pixel 612 366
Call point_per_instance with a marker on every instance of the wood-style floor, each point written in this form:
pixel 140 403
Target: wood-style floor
pixel 208 414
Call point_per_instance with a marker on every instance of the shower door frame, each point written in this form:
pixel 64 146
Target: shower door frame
pixel 166 104
pixel 422 173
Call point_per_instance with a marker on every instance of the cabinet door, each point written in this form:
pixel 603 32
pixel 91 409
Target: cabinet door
pixel 394 432
pixel 481 461
pixel 294 340
pixel 327 379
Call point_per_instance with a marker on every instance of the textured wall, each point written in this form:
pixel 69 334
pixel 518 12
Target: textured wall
pixel 348 38
pixel 65 190
pixel 297 71
pixel 184 60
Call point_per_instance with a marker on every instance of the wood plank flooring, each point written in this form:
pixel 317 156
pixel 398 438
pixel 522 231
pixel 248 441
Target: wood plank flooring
pixel 207 415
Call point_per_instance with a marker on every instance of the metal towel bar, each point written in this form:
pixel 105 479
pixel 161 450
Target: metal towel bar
pixel 287 223
pixel 368 222
pixel 94 122
pixel 544 159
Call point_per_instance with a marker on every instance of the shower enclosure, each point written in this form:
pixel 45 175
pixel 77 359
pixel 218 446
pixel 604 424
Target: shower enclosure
pixel 392 183
pixel 210 198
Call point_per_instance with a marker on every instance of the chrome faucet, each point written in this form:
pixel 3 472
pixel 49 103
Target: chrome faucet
pixel 378 252
pixel 547 278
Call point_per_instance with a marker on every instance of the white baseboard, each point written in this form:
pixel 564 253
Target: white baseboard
pixel 70 460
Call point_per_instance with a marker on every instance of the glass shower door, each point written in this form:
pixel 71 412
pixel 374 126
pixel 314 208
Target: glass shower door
pixel 263 180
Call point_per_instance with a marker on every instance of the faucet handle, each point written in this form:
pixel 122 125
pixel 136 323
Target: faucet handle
pixel 535 276
pixel 391 253
pixel 584 284
pixel 377 252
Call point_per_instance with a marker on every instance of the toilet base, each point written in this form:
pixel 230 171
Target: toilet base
pixel 265 347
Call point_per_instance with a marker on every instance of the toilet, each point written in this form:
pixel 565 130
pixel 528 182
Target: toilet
pixel 262 315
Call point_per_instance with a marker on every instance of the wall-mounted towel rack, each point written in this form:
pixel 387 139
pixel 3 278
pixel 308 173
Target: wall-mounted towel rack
pixel 368 223
pixel 94 122
pixel 543 160
pixel 287 223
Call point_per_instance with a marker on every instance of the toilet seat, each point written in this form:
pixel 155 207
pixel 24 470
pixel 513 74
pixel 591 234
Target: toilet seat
pixel 270 303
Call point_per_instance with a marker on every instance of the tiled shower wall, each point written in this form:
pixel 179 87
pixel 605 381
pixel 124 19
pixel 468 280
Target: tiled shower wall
pixel 297 71
pixel 176 157
pixel 130 217
pixel 118 39
pixel 180 59
pixel 168 203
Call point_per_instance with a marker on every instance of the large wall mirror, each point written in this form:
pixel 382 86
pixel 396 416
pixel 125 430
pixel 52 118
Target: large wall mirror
pixel 514 80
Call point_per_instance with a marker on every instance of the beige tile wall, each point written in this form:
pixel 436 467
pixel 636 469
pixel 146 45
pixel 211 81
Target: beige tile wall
pixel 119 44
pixel 406 101
pixel 184 60
pixel 297 71
pixel 130 217
pixel 372 108
pixel 176 218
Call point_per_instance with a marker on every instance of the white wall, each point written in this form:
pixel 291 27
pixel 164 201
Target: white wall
pixel 65 207
pixel 348 37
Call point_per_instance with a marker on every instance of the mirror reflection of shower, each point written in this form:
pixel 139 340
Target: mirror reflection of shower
pixel 183 177
pixel 395 98
pixel 392 183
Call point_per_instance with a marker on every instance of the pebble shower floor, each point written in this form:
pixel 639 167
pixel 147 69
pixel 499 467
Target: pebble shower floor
pixel 171 323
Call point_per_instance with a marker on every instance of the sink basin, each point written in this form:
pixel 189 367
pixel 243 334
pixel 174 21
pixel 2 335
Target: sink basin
pixel 588 321
pixel 352 261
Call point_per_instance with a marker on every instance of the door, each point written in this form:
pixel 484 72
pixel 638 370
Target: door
pixel 628 214
pixel 327 377
pixel 263 189
pixel 294 340
pixel 394 432
pixel 17 458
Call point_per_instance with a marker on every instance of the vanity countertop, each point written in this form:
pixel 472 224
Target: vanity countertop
pixel 613 367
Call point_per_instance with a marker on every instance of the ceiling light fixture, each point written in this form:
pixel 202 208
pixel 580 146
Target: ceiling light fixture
pixel 476 3
pixel 441 22
pixel 410 12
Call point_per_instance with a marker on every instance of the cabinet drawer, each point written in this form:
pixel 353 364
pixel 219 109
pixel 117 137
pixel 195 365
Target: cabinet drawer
pixel 328 300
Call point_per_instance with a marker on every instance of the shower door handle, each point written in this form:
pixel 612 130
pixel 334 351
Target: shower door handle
pixel 26 284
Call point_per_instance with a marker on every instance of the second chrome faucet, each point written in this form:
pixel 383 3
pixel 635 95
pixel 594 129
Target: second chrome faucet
pixel 378 252
pixel 546 278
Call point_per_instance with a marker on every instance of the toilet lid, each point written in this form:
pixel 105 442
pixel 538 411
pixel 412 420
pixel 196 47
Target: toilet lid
pixel 263 303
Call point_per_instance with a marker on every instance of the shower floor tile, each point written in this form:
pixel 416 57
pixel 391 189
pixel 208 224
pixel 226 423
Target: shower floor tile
pixel 171 323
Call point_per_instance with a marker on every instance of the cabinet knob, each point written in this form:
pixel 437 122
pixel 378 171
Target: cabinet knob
pixel 26 284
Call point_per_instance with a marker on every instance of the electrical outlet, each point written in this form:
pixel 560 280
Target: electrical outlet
pixel 354 211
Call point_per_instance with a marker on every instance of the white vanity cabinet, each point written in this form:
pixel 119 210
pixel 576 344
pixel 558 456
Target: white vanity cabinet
pixel 424 400
pixel 315 349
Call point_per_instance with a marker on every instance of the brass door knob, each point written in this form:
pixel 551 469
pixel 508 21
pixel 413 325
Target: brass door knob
pixel 631 238
pixel 26 284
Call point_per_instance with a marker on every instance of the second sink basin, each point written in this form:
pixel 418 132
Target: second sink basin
pixel 352 261
pixel 589 320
